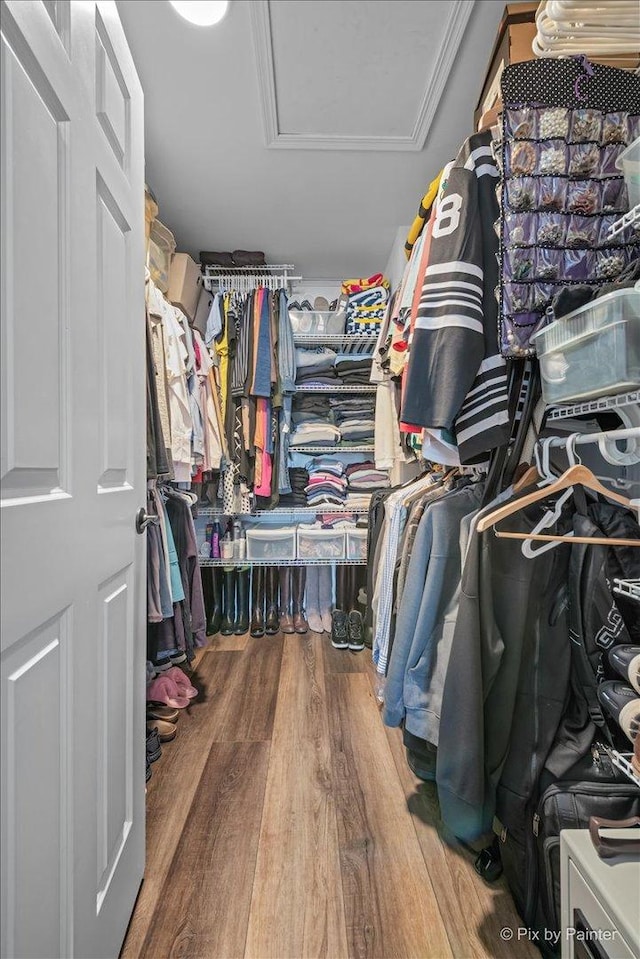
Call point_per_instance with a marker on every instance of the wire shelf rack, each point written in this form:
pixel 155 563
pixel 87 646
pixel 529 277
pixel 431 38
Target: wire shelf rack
pixel 627 587
pixel 203 562
pixel 630 219
pixel 367 448
pixel 602 404
pixel 281 511
pixel 342 388
pixel 345 342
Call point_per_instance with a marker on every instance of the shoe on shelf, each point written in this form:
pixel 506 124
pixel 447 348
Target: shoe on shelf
pixel 154 749
pixel 626 662
pixel 306 305
pixel 321 304
pixel 339 630
pixel 623 704
pixel 166 731
pixel 355 631
pixel 294 305
pixel 159 711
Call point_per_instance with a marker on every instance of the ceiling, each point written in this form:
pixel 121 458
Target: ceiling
pixel 305 128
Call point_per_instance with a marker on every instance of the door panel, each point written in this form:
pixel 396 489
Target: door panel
pixel 36 723
pixel 73 473
pixel 35 176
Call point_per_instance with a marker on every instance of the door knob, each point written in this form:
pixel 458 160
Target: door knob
pixel 144 519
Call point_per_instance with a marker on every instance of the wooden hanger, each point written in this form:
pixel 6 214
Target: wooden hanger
pixel 530 475
pixel 577 475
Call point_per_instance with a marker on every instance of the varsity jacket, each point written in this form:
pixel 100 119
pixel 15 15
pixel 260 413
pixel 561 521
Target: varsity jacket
pixel 456 378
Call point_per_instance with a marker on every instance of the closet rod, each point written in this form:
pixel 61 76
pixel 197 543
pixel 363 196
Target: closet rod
pixel 583 438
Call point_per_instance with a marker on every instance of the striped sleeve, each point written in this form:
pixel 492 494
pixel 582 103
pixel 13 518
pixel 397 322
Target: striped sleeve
pixel 448 339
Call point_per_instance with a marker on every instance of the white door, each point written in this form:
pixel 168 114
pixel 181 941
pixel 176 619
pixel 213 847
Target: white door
pixel 73 476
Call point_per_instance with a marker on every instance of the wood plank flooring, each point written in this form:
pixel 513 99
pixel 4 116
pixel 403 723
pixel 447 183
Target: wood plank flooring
pixel 284 823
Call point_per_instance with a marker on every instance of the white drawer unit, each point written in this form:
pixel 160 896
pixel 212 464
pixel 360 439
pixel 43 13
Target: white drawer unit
pixel 357 543
pixel 271 543
pixel 600 900
pixel 315 543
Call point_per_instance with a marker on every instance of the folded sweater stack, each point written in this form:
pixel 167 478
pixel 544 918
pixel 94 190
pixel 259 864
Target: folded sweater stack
pixel 365 476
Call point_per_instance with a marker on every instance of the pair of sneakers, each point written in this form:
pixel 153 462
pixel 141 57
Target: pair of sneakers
pixel 347 630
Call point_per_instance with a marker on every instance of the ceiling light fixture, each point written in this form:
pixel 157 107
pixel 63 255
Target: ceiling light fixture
pixel 204 13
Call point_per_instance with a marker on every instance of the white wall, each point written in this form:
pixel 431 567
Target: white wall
pixel 397 258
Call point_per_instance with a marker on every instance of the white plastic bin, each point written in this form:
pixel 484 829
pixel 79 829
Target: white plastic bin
pixel 594 351
pixel 357 543
pixel 315 322
pixel 271 544
pixel 315 543
pixel 629 163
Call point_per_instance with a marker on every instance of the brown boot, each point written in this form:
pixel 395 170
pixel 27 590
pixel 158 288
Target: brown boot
pixel 286 622
pixel 299 580
pixel 272 622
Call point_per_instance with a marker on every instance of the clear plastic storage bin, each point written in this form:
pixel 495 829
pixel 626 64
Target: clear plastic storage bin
pixel 271 544
pixel 320 543
pixel 162 246
pixel 594 351
pixel 629 163
pixel 314 322
pixel 357 543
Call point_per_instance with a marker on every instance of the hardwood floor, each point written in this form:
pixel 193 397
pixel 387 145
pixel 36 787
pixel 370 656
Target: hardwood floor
pixel 284 823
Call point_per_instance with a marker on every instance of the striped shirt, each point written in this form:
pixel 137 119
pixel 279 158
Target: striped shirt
pixel 456 378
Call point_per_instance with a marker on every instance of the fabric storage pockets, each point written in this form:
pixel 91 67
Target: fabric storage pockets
pixel 520 229
pixel 552 123
pixel 614 128
pixel 551 229
pixel 520 158
pixel 608 264
pixel 609 159
pixel 586 124
pixel 549 264
pixel 552 157
pixel 584 159
pixel 583 196
pixel 579 265
pixel 582 231
pixel 614 196
pixel 519 123
pixel 521 194
pixel 550 193
pixel 519 264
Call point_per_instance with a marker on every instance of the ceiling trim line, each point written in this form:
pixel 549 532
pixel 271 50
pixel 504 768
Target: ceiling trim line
pixel 454 29
pixel 453 32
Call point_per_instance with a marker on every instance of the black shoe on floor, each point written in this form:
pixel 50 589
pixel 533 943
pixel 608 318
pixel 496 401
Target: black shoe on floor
pixel 623 704
pixel 419 768
pixel 339 630
pixel 154 749
pixel 355 631
pixel 625 660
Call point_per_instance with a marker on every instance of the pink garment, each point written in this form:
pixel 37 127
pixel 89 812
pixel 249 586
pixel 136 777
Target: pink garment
pixel 182 681
pixel 265 484
pixel 164 690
